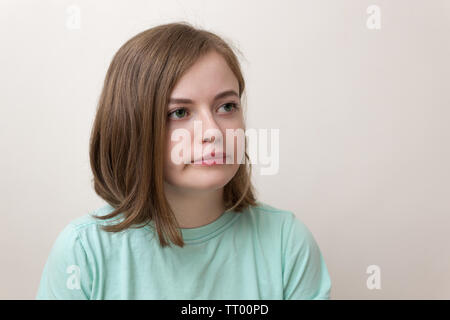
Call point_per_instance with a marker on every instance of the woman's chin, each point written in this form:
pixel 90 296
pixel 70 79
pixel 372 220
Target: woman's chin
pixel 208 180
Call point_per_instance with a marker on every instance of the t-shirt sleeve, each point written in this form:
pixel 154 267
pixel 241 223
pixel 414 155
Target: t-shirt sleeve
pixel 66 274
pixel 305 274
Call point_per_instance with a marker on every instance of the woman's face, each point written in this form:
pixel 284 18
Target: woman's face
pixel 207 78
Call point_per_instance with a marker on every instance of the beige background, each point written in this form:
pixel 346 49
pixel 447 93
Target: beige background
pixel 363 117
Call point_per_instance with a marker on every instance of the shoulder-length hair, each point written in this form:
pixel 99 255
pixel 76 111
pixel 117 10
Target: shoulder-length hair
pixel 128 134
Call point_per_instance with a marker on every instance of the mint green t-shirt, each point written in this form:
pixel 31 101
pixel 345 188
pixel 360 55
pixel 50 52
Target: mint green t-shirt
pixel 260 253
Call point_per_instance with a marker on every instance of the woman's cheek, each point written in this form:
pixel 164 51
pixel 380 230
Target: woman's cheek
pixel 238 143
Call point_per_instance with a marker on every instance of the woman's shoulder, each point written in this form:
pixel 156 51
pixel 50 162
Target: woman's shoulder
pixel 266 211
pixel 285 221
pixel 267 208
pixel 269 216
pixel 88 219
pixel 88 228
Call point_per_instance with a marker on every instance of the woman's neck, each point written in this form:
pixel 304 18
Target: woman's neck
pixel 195 208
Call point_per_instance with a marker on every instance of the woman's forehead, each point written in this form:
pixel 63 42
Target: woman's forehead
pixel 205 79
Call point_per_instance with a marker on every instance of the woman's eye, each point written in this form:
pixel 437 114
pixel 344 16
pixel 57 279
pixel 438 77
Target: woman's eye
pixel 231 106
pixel 179 113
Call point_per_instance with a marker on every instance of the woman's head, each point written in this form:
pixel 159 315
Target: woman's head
pixel 204 104
pixel 132 152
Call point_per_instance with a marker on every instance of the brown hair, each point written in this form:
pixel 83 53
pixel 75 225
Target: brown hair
pixel 128 134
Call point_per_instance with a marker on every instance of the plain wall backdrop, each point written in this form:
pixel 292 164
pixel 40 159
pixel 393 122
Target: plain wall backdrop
pixel 363 115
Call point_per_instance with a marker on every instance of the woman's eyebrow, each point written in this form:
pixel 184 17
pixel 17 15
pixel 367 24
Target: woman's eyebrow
pixel 218 96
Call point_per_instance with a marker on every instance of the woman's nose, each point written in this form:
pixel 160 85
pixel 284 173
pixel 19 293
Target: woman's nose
pixel 209 127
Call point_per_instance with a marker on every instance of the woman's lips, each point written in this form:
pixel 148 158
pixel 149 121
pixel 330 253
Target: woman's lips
pixel 213 159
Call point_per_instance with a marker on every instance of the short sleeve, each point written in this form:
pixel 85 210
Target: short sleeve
pixel 305 274
pixel 66 274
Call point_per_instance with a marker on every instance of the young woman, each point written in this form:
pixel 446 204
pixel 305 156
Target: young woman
pixel 178 230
